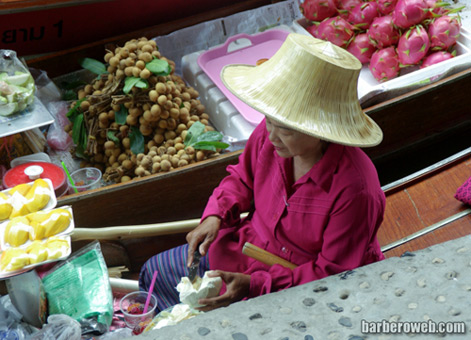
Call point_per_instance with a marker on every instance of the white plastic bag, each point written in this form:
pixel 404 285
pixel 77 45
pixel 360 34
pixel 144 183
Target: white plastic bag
pixel 59 327
pixel 11 326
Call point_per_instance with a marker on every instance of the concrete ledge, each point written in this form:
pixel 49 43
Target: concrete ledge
pixel 430 286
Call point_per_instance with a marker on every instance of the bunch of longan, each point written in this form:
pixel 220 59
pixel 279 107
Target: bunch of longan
pixel 162 112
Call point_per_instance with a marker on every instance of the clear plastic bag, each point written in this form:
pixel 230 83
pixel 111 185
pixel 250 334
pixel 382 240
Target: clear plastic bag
pixel 57 138
pixel 80 286
pixel 17 86
pixel 11 326
pixel 59 327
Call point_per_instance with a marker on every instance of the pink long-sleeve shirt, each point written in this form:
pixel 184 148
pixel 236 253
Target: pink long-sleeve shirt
pixel 326 222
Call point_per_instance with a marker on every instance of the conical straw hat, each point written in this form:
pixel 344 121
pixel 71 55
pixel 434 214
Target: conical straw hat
pixel 309 85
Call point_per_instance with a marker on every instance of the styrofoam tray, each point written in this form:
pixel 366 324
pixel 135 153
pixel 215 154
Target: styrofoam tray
pixel 7 274
pixel 4 245
pixel 260 46
pixel 368 86
pixel 16 199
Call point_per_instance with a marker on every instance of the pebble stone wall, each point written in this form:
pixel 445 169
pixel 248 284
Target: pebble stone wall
pixel 426 289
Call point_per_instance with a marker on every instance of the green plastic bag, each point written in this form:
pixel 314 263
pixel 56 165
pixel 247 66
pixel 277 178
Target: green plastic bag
pixel 79 286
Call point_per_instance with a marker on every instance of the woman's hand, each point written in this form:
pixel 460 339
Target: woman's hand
pixel 203 235
pixel 237 288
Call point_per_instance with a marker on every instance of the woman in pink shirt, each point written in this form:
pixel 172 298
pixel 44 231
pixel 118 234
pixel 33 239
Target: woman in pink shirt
pixel 312 194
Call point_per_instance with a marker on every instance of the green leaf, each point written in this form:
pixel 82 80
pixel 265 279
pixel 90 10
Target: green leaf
pixel 73 112
pixel 159 67
pixel 69 95
pixel 193 132
pixel 130 82
pixel 110 134
pixel 210 136
pixel 142 84
pixel 197 138
pixel 207 145
pixel 80 152
pixel 120 116
pixel 137 140
pixel 77 129
pixel 93 66
pixel 84 137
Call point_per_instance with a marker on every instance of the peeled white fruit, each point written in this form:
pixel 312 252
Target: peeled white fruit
pixel 205 287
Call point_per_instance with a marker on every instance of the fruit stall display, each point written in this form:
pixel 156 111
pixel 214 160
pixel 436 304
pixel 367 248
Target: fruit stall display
pixel 388 35
pixel 137 117
pixel 32 230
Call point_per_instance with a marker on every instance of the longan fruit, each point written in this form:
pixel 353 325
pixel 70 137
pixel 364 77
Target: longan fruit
pixel 162 99
pixel 125 179
pixel 158 139
pixel 139 171
pixel 155 167
pixel 108 56
pixel 182 162
pixel 156 109
pixel 141 64
pixel 136 71
pixel 145 74
pixel 200 155
pixel 171 151
pixel 127 164
pixel 109 145
pixel 153 95
pixel 131 120
pixel 165 165
pixel 160 88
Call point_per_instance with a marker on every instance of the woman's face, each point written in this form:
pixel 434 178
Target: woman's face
pixel 291 143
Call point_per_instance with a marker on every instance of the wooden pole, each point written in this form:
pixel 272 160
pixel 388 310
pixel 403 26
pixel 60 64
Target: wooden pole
pixel 265 257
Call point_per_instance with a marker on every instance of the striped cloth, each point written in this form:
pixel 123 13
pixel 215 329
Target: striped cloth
pixel 171 266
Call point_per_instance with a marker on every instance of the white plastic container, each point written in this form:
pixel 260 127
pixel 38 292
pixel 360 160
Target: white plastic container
pixel 368 86
pixel 222 113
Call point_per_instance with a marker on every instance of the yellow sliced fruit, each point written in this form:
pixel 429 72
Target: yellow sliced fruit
pixel 22 189
pixel 38 216
pixel 38 196
pixel 18 202
pixel 37 231
pixel 5 207
pixel 17 231
pixel 56 247
pixel 13 259
pixel 57 222
pixel 37 252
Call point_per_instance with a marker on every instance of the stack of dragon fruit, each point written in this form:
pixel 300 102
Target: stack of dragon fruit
pixel 387 34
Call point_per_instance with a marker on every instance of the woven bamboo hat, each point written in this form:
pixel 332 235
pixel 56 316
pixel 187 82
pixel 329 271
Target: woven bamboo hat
pixel 309 85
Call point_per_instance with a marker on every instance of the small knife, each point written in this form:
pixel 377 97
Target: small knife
pixel 193 269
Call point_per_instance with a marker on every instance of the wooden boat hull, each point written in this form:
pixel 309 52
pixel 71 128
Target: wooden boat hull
pixel 420 127
pixel 38 26
pixel 420 211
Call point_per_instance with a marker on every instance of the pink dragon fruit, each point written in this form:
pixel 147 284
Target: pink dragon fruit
pixel 363 14
pixel 336 30
pixel 318 10
pixel 413 45
pixel 384 64
pixel 313 29
pixel 443 32
pixel 386 7
pixel 344 7
pixel 438 8
pixel 408 13
pixel 437 57
pixel 383 32
pixel 361 47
